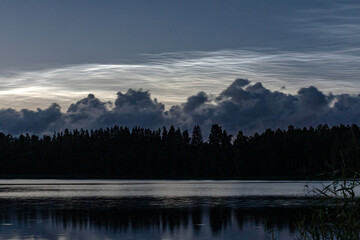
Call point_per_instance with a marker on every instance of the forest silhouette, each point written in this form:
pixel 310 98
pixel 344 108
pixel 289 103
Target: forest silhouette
pixel 139 153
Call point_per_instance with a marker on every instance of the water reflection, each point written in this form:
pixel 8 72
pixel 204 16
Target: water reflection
pixel 115 209
pixel 83 219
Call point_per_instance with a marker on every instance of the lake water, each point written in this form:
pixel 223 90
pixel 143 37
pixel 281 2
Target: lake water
pixel 163 210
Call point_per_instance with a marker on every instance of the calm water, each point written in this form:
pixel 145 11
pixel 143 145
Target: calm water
pixel 117 209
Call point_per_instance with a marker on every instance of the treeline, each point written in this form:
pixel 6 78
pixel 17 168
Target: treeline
pixel 120 152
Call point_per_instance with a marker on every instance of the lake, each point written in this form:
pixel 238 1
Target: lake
pixel 156 209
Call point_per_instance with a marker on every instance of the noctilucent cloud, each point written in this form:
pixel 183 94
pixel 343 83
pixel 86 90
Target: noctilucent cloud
pixel 183 52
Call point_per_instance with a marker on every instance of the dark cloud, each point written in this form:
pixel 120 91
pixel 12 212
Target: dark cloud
pixel 27 121
pixel 242 106
pixel 194 102
pixel 87 104
pixel 137 99
pixel 252 107
pixel 312 98
pixel 86 112
pixel 135 108
pixel 346 109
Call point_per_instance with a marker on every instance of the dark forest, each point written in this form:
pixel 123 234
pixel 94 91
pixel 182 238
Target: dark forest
pixel 138 153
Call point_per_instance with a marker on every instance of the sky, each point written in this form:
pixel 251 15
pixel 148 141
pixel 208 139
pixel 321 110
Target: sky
pixel 247 65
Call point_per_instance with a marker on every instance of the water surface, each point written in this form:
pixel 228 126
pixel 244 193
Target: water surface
pixel 137 209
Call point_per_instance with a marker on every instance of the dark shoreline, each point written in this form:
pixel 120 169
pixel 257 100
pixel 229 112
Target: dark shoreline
pixel 63 177
pixel 121 153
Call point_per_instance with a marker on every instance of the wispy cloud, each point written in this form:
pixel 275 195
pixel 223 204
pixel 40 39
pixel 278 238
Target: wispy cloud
pixel 338 24
pixel 172 77
pixel 243 105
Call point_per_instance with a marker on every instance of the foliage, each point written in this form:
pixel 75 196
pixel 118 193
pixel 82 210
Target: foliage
pixel 120 152
pixel 338 218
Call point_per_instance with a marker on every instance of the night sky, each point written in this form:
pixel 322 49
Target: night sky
pixel 246 65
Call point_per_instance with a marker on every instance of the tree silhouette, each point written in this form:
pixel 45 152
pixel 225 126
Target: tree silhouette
pixel 120 152
pixel 197 137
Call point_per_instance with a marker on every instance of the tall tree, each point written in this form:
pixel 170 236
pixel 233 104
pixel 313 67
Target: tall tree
pixel 196 138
